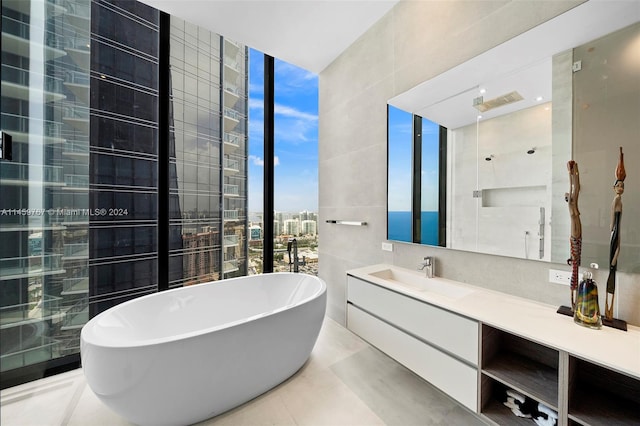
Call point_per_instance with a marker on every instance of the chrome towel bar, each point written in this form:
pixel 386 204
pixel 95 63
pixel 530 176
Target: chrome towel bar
pixel 348 222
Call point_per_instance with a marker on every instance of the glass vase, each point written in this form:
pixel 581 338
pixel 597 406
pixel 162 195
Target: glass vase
pixel 587 309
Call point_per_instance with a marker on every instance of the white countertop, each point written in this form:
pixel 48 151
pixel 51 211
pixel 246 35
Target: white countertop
pixel 539 322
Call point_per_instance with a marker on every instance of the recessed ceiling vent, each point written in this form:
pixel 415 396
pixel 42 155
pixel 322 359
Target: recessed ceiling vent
pixel 484 106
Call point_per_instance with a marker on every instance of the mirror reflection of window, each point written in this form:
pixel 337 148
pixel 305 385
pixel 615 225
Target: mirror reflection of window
pixel 399 190
pixel 430 205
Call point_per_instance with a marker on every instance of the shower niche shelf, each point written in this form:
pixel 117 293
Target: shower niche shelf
pixel 520 196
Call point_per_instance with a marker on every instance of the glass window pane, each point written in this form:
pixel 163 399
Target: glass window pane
pixel 44 255
pixel 256 162
pixel 296 168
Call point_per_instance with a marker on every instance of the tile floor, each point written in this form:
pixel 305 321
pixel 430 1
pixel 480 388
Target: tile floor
pixel 345 382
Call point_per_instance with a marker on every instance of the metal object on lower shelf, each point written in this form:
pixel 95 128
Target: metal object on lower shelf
pixel 348 222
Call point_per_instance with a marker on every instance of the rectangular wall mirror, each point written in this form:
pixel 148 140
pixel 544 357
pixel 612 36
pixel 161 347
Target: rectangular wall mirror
pixel 508 121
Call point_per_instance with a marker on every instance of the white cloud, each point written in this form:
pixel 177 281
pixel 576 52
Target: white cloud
pixel 294 76
pixel 258 161
pixel 293 113
pixel 283 110
pixel 255 89
pixel 256 103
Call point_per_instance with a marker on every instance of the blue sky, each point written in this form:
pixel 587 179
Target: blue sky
pixel 296 136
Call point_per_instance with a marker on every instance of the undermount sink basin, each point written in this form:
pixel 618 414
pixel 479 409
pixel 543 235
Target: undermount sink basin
pixel 420 283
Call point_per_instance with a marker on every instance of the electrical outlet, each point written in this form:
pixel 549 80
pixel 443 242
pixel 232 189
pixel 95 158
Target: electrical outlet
pixel 577 66
pixel 559 277
pixel 387 246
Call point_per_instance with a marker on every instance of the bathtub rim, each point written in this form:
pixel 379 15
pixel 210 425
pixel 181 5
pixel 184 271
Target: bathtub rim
pixel 88 337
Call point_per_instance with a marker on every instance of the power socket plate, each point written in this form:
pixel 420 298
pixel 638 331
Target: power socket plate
pixel 559 277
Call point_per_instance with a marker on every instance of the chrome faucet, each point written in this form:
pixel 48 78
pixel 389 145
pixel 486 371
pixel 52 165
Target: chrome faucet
pixel 429 263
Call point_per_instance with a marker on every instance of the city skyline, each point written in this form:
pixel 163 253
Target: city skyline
pixel 296 136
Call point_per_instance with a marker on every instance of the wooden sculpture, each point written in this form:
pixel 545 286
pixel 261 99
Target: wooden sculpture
pixel 614 248
pixel 576 227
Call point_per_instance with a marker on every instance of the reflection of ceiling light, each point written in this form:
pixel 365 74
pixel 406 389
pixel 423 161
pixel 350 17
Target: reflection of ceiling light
pixel 482 91
pixel 103 76
pixel 508 98
pixel 539 98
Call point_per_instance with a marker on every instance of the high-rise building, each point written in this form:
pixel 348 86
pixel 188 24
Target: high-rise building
pixel 309 227
pixel 255 233
pixel 292 226
pixel 129 167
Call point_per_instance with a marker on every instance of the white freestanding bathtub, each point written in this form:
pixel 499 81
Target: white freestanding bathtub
pixel 181 356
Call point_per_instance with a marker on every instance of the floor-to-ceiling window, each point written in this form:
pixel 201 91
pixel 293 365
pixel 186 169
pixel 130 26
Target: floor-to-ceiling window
pixel 234 153
pixel 255 162
pixel 106 142
pixel 123 236
pixel 44 190
pixel 294 182
pixel 208 129
pixel 296 168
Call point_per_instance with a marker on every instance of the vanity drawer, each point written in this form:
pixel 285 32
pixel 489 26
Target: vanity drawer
pixel 445 330
pixel 457 379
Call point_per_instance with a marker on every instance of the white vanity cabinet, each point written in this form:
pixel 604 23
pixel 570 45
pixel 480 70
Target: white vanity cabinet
pixel 438 345
pixel 475 345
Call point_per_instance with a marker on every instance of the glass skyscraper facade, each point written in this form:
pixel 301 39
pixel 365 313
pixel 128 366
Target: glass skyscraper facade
pixel 124 152
pixel 102 149
pixel 208 129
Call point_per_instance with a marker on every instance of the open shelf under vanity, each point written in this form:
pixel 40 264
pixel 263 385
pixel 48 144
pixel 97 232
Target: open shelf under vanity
pixel 599 396
pixel 581 392
pixel 512 362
